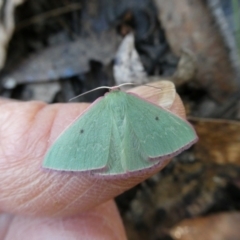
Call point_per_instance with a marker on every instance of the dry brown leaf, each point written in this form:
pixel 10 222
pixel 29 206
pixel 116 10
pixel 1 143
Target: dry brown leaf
pixel 224 226
pixel 219 140
pixel 66 59
pixel 189 24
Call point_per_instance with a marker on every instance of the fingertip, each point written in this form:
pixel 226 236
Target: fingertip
pixel 162 93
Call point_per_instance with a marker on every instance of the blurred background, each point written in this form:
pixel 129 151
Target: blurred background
pixel 53 50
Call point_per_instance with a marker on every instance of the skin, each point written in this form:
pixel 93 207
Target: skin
pixel 45 204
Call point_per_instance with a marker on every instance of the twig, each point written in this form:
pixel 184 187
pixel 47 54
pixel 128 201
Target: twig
pixel 53 13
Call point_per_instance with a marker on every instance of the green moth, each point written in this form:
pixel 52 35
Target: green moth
pixel 119 133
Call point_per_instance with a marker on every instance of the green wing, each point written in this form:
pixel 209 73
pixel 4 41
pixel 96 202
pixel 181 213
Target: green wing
pixel 152 132
pixel 84 145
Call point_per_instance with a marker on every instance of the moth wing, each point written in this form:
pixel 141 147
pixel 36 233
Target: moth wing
pixel 153 132
pixel 84 145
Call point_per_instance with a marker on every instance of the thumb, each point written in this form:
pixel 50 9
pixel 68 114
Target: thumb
pixel 26 128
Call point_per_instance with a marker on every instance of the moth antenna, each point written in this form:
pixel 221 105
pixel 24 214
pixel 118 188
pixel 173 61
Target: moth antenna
pixel 136 84
pixel 126 84
pixel 107 87
pixel 102 87
pixel 95 89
